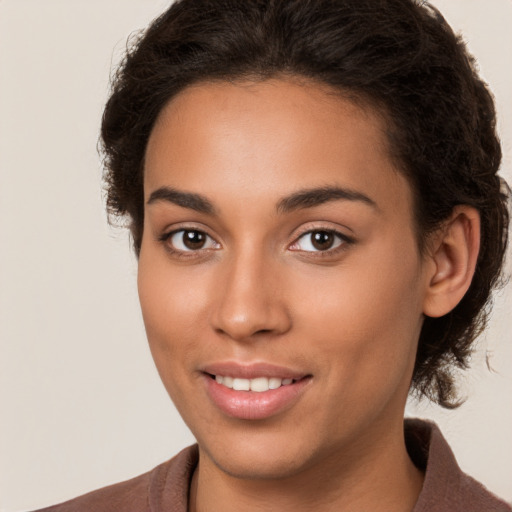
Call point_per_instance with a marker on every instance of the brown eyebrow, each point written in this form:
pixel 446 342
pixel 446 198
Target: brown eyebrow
pixel 308 198
pixel 189 200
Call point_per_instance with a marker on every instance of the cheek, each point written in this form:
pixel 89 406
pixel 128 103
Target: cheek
pixel 168 294
pixel 366 317
pixel 173 307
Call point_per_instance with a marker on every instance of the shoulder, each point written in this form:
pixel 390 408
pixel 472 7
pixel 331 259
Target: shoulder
pixel 159 489
pixel 446 487
pixel 127 496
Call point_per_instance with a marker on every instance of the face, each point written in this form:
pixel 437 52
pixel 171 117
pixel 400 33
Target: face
pixel 279 276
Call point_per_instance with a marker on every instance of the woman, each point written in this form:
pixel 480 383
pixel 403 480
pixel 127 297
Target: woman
pixel 312 195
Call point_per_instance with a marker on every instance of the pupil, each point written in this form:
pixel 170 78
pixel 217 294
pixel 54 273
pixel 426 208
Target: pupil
pixel 322 240
pixel 193 239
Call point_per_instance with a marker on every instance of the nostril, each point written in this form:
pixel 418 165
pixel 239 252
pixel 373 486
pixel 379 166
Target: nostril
pixel 263 331
pixel 236 320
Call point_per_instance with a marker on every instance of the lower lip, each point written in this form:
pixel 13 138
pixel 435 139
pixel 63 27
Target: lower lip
pixel 251 405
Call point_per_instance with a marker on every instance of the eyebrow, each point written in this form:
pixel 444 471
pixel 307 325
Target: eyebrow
pixel 306 198
pixel 188 200
pixel 309 198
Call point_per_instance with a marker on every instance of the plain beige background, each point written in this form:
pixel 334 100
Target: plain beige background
pixel 81 405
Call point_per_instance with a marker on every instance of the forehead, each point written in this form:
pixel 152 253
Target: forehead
pixel 270 138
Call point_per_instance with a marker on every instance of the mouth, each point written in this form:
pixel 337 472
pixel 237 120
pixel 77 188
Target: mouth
pixel 258 384
pixel 254 392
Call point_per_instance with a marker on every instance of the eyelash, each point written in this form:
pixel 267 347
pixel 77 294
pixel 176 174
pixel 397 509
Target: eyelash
pixel 183 254
pixel 344 242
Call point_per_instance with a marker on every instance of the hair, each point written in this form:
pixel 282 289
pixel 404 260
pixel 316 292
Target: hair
pixel 399 56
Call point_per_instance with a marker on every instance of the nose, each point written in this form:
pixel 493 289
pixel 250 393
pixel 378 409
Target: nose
pixel 250 300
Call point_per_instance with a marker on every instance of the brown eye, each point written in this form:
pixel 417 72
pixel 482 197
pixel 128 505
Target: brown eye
pixel 320 240
pixel 193 239
pixel 187 240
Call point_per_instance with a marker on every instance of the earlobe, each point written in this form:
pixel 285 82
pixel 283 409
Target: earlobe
pixel 453 256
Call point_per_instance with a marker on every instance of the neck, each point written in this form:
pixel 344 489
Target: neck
pixel 376 476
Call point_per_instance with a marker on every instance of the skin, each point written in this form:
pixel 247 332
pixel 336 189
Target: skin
pixel 259 291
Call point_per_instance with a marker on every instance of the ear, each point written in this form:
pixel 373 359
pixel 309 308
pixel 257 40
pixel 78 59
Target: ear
pixel 453 256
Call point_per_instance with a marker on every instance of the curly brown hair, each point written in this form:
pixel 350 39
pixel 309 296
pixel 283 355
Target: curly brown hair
pixel 400 56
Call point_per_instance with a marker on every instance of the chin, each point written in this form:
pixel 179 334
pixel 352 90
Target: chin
pixel 259 456
pixel 271 466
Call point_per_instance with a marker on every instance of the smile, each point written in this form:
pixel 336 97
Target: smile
pixel 254 392
pixel 258 384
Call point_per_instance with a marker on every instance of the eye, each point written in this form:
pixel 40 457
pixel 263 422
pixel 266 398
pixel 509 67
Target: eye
pixel 187 240
pixel 319 240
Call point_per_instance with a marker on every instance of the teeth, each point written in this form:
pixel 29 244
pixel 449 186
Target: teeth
pixel 274 383
pixel 241 384
pixel 227 381
pixel 259 384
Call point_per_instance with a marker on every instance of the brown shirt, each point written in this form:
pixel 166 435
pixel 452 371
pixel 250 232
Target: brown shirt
pixel 165 489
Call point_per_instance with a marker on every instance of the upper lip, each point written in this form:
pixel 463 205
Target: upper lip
pixel 252 370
